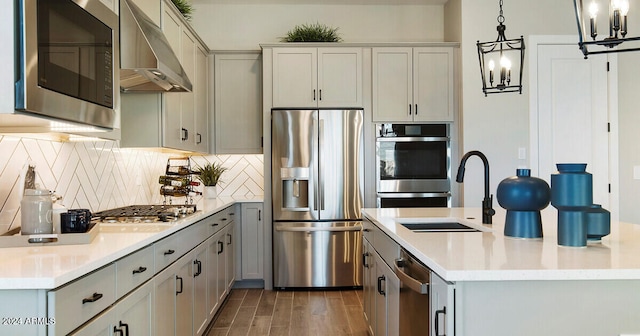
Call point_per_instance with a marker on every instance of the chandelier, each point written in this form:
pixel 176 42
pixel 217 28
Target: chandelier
pixel 507 55
pixel 616 22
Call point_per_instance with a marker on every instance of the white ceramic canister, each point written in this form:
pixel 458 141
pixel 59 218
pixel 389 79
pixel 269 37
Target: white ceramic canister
pixel 36 212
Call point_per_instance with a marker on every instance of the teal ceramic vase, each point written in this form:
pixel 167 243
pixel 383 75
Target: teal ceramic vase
pixel 523 196
pixel 572 195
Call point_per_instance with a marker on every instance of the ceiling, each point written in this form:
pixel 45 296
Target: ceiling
pixel 323 2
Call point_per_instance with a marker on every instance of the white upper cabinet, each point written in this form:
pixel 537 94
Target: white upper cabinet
pixel 317 77
pixel 413 84
pixel 238 103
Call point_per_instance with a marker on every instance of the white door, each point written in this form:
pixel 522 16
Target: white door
pixel 570 113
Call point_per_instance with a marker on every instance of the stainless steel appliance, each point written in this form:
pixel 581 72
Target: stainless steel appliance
pixel 144 214
pixel 317 183
pixel 67 61
pixel 147 61
pixel 414 295
pixel 413 165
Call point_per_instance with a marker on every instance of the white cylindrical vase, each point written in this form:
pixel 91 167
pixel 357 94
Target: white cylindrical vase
pixel 210 192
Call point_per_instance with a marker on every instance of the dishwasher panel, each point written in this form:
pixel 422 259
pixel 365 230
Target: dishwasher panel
pixel 317 254
pixel 414 295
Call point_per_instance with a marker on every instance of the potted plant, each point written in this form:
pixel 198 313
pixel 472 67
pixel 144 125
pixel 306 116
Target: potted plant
pixel 209 175
pixel 312 33
pixel 184 7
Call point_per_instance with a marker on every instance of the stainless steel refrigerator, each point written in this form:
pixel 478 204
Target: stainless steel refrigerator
pixel 317 191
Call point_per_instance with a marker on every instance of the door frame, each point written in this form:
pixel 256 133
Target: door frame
pixel 612 77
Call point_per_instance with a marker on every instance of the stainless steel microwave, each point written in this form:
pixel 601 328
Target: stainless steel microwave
pixel 67 61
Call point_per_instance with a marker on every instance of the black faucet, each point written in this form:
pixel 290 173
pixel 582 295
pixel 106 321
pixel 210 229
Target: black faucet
pixel 487 202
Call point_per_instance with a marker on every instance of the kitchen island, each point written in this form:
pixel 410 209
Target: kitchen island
pixel 124 275
pixel 507 286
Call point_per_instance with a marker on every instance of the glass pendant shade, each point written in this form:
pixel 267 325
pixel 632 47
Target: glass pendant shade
pixel 603 26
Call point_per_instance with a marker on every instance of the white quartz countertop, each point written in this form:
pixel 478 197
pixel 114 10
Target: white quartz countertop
pixel 490 256
pixel 47 267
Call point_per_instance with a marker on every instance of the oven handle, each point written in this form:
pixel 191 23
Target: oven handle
pixel 412 195
pixel 413 284
pixel 410 139
pixel 283 228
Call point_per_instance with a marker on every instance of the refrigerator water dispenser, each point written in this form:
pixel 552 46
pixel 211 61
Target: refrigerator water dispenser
pixel 295 188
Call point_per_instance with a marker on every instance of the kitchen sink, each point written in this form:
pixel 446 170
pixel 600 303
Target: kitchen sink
pixel 435 225
pixel 439 227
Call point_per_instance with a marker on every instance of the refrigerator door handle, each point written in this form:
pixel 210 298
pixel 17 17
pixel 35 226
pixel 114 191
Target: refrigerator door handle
pixel 283 228
pixel 315 167
pixel 321 163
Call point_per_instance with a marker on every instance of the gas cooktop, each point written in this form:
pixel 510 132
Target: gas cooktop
pixel 145 213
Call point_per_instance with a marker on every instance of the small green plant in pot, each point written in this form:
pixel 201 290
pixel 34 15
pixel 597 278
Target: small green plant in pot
pixel 184 7
pixel 209 175
pixel 314 32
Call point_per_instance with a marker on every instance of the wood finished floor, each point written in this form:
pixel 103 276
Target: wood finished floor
pixel 290 313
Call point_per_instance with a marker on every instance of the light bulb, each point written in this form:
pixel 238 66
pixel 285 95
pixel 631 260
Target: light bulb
pixel 505 63
pixel 624 7
pixel 593 9
pixel 492 65
pixel 615 4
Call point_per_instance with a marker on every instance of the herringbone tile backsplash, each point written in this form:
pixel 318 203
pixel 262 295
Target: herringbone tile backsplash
pixel 99 175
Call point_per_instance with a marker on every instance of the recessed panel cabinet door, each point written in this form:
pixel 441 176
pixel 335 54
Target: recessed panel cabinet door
pixel 339 77
pixel 392 84
pixel 184 296
pixel 187 99
pixel 238 103
pixel 295 77
pixel 201 92
pixel 172 133
pixel 433 84
pixel 165 291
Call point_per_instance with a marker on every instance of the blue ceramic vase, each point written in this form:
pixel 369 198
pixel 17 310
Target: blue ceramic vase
pixel 572 195
pixel 523 196
pixel 598 223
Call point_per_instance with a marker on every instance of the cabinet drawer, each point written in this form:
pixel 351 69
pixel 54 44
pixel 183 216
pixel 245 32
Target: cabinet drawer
pixel 367 230
pixel 220 219
pixel 166 252
pixel 193 235
pixel 388 249
pixel 133 270
pixel 79 301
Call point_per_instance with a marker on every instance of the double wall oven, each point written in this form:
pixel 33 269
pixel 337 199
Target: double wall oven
pixel 413 165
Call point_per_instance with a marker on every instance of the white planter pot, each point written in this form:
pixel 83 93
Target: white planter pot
pixel 210 192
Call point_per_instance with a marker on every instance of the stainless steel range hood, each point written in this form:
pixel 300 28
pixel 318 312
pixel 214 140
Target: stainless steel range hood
pixel 147 62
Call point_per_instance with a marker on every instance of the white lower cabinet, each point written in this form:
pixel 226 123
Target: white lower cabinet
pixel 252 233
pixel 172 287
pixel 184 296
pixel 213 300
pixel 369 285
pixel 387 299
pixel 441 307
pixel 230 257
pixel 165 292
pixel 199 273
pixel 133 315
pixel 380 284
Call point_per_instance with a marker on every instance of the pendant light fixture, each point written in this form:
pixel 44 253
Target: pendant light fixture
pixel 507 56
pixel 616 21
